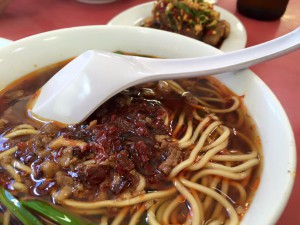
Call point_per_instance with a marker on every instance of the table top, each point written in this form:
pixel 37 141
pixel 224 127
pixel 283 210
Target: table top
pixel 28 17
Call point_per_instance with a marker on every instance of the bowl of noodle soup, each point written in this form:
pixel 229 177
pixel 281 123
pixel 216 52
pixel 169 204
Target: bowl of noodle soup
pixel 212 150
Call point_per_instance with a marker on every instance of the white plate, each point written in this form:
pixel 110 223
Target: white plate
pixel 135 15
pixel 4 41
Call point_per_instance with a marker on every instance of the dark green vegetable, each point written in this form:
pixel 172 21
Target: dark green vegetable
pixel 15 207
pixel 55 213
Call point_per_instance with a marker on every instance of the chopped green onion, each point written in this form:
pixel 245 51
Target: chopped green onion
pixel 185 8
pixel 55 213
pixel 15 207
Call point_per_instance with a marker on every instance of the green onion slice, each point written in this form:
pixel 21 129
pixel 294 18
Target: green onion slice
pixel 55 213
pixel 15 207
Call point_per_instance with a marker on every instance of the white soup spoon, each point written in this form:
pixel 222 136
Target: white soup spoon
pixel 79 88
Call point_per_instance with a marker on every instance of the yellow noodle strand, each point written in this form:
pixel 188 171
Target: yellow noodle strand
pixel 234 220
pixel 104 220
pixel 235 158
pixel 21 133
pixel 212 91
pixel 8 152
pixel 137 215
pixel 196 134
pixel 240 119
pixel 215 222
pixel 204 160
pixel 12 172
pixel 188 132
pixel 120 217
pixel 236 169
pixel 192 202
pixel 202 102
pixel 6 218
pixel 227 174
pixel 175 86
pixel 234 106
pixel 208 199
pixel 195 151
pixel 241 190
pixel 179 124
pixel 17 164
pixel 161 210
pixel 212 99
pixel 91 212
pixel 120 203
pixel 196 116
pixel 219 140
pixel 142 183
pixel 151 214
pixel 218 207
pixel 23 126
pixel 20 187
pixel 63 142
pixel 200 205
pixel 240 157
pixel 167 212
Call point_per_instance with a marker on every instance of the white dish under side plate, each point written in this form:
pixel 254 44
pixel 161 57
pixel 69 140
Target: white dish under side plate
pixel 135 15
pixel 4 41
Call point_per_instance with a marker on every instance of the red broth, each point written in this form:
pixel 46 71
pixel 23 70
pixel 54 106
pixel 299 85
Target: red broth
pixel 132 149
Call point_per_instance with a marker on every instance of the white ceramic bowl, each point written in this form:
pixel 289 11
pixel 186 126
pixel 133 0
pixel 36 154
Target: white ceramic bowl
pixel 29 54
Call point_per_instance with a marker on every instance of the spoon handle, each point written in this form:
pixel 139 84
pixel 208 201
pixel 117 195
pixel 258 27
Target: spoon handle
pixel 231 61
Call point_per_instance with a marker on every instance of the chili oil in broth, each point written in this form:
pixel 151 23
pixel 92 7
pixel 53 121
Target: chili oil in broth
pixel 132 136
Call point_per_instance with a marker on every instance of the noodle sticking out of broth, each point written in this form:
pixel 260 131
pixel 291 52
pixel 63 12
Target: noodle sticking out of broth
pixel 167 152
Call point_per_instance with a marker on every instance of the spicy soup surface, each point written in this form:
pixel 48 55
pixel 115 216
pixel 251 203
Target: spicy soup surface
pixel 166 152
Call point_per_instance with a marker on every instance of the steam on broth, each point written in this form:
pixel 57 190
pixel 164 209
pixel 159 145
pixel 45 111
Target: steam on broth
pixel 167 152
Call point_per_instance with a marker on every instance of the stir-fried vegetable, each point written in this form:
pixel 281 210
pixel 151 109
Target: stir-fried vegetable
pixel 193 18
pixel 15 207
pixel 54 213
